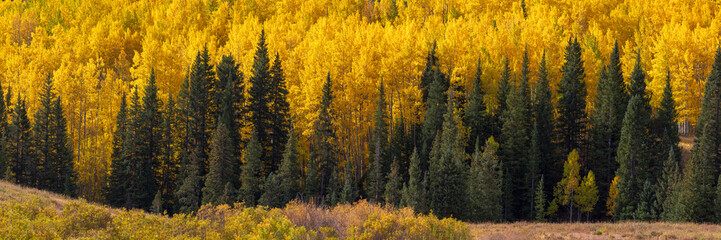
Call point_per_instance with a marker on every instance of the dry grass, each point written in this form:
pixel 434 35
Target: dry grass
pixel 624 230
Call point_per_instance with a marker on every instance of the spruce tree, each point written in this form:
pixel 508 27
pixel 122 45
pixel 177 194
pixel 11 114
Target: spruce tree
pixel 514 156
pixel 188 194
pixel 374 185
pixel 429 72
pixel 476 116
pixel 114 190
pixel 447 171
pixel 221 162
pixel 543 113
pixel 250 189
pixel 272 195
pixel 148 136
pixel 392 193
pixel 323 150
pixel 259 101
pixel 699 178
pixel 290 173
pixel 413 193
pixel 666 187
pixel 533 169
pixel 230 103
pixel 201 108
pixel 349 193
pixel 169 181
pixel 665 126
pixel 717 201
pixel 400 147
pixel 632 157
pixel 279 113
pixel 333 190
pixel 63 151
pixel 572 100
pixel 20 147
pixel 484 185
pixel 502 92
pixel 645 210
pixel 47 161
pixel 606 120
pixel 433 118
pixel 540 202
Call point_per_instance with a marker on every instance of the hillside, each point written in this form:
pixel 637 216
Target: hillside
pixel 29 213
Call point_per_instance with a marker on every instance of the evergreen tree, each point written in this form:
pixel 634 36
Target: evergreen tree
pixel 290 172
pixel 413 193
pixel 638 88
pixel 633 157
pixel 699 178
pixel 279 113
pixel 114 190
pixel 200 108
pixel 502 92
pixel 533 169
pixel 168 182
pixel 323 151
pixel 63 150
pixel 259 101
pixel 229 195
pixel 221 162
pixel 333 190
pixel 148 136
pixel 231 100
pixel 645 210
pixel 47 160
pixel 349 193
pixel 433 118
pixel 606 121
pixel 430 73
pixel 540 202
pixel 392 193
pixel 572 100
pixel 379 156
pixel 476 116
pixel 272 195
pixel 484 185
pixel 400 147
pixel 666 189
pixel 514 156
pixel 543 113
pixel 20 147
pixel 157 205
pixel 717 201
pixel 189 192
pixel 250 189
pixel 666 128
pixel 447 171
pixel 711 107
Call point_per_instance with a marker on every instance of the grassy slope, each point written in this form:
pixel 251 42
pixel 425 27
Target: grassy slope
pixel 624 230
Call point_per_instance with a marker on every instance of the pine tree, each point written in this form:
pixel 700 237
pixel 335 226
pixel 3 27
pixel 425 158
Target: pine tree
pixel 413 193
pixel 63 150
pixel 565 190
pixel 606 120
pixel 114 190
pixel 168 182
pixel 250 189
pixel 279 113
pixel 429 72
pixel 540 202
pixel 323 151
pixel 484 185
pixel 645 210
pixel 259 101
pixel 667 188
pixel 221 162
pixel 514 156
pixel 543 113
pixel 148 136
pixel 632 157
pixel 290 172
pixel 476 116
pixel 587 195
pixel 379 156
pixel 392 193
pixel 433 118
pixel 572 101
pixel 231 100
pixel 47 161
pixel 447 171
pixel 20 147
pixel 272 195
pixel 638 88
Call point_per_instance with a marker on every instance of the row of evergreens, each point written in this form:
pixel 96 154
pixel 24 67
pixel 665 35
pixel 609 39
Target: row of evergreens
pixel 529 156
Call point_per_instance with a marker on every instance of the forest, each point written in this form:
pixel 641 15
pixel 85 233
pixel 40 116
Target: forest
pixel 481 111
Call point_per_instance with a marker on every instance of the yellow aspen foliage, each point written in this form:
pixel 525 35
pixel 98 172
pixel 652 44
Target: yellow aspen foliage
pixel 587 195
pixel 612 195
pixel 567 187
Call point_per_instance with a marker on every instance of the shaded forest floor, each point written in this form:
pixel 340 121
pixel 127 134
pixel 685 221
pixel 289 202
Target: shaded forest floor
pixel 624 230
